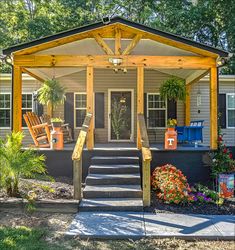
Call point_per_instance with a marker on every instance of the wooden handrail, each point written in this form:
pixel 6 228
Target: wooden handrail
pixel 146 160
pixel 77 157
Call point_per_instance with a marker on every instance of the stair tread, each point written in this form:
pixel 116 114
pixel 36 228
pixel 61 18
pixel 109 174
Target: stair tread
pixel 112 188
pixel 112 202
pixel 114 166
pixel 115 157
pixel 113 176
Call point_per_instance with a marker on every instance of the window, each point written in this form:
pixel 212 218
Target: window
pixel 156 109
pixel 231 110
pixel 80 109
pixel 5 110
pixel 27 106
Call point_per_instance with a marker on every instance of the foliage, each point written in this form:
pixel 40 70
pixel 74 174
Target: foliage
pixel 16 162
pixel 173 89
pixel 51 93
pixel 56 119
pixel 203 194
pixel 170 184
pixel 24 238
pixel 222 160
pixel 171 123
pixel 117 117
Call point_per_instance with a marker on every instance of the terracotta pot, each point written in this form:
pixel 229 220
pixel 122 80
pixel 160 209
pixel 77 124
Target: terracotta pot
pixel 171 139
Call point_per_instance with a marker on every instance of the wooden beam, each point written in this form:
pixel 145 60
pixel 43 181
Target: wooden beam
pixel 17 99
pixel 132 44
pixel 103 44
pixel 90 106
pixel 167 41
pixel 187 105
pixel 102 61
pixel 24 70
pixel 117 41
pixel 196 76
pixel 213 108
pixel 140 100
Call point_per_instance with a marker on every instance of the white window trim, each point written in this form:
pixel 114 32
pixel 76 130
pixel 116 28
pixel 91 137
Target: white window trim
pixel 74 105
pixel 227 109
pixel 27 93
pixel 156 93
pixel 7 93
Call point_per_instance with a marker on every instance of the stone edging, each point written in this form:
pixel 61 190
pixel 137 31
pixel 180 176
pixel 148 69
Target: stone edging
pixel 44 205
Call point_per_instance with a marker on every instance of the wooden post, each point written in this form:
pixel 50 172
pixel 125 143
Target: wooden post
pixel 77 178
pixel 90 106
pixel 187 105
pixel 140 100
pixel 146 183
pixel 213 108
pixel 17 99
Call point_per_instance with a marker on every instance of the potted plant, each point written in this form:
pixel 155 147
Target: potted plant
pixel 51 94
pixel 223 168
pixel 56 122
pixel 173 89
pixel 171 134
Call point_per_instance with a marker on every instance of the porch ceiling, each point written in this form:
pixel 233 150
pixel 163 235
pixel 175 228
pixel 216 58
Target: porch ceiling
pixel 89 46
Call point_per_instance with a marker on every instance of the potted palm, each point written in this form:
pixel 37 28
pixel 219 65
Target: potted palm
pixel 173 89
pixel 51 94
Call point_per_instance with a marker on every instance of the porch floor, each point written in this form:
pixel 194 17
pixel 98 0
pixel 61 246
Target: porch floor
pixel 132 146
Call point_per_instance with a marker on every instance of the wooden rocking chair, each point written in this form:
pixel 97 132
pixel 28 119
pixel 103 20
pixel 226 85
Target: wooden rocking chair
pixel 67 131
pixel 40 132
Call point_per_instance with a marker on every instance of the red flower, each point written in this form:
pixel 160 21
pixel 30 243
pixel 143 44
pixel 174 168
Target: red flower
pixel 225 151
pixel 220 138
pixel 230 155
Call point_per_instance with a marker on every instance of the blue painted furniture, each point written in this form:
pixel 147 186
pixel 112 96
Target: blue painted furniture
pixel 190 133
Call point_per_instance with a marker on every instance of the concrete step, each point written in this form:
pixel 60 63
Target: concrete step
pixel 114 160
pixel 110 204
pixel 114 169
pixel 113 179
pixel 112 191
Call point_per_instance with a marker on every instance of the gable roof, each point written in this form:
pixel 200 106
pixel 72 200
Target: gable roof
pixel 115 20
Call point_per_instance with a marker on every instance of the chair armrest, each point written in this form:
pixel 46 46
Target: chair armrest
pixel 43 125
pixel 65 125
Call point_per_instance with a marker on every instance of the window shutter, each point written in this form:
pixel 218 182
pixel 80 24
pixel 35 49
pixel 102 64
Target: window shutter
pixel 171 109
pixel 222 110
pixel 37 107
pixel 99 110
pixel 145 108
pixel 69 110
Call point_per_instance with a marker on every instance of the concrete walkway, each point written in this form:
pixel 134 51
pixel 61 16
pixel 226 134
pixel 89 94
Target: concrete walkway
pixel 135 225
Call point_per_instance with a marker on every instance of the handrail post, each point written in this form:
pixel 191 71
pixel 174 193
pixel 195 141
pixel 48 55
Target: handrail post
pixel 77 179
pixel 146 183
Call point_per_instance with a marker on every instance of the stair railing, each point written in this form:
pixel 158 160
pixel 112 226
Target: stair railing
pixel 146 160
pixel 77 157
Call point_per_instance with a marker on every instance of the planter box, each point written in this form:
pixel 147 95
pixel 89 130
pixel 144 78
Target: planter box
pixel 45 205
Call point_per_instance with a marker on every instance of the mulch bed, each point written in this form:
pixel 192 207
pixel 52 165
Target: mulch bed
pixel 158 206
pixel 62 188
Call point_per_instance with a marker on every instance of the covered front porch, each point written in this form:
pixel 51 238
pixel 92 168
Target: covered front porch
pixel 120 60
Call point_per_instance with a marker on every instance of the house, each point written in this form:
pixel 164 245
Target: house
pixel 114 62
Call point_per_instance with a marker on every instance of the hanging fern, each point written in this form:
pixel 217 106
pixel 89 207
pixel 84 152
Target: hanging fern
pixel 173 89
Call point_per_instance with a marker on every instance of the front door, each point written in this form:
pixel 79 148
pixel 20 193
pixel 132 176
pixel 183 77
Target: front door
pixel 120 115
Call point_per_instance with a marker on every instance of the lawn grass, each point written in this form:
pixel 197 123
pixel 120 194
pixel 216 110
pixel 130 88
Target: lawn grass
pixel 25 238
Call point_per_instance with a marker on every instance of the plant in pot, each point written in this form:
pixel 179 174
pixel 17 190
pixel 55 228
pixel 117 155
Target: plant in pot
pixel 173 89
pixel 51 94
pixel 223 168
pixel 56 122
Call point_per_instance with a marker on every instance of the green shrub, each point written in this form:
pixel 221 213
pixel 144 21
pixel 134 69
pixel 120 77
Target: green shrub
pixel 16 162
